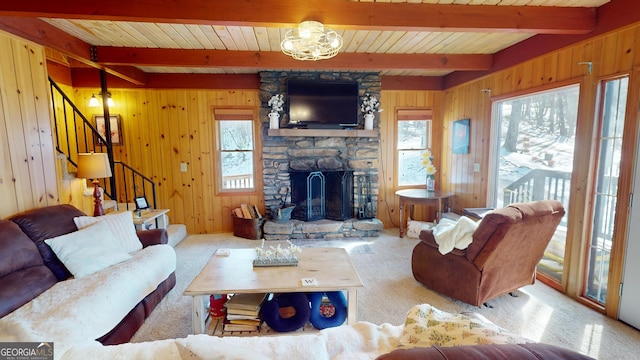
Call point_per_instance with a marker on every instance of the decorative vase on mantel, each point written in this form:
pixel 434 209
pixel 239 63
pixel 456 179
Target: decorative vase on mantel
pixel 368 121
pixel 431 183
pixel 274 120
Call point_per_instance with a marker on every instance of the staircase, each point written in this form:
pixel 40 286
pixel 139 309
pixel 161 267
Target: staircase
pixel 74 134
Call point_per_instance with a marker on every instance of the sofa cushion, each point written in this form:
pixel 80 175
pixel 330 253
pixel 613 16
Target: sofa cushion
pixel 46 223
pixel 486 352
pixel 23 274
pixel 121 224
pixel 88 250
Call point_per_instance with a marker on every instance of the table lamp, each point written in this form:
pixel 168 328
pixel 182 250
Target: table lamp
pixel 94 166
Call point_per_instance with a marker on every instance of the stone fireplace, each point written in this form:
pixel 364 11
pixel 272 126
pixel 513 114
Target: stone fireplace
pixel 326 155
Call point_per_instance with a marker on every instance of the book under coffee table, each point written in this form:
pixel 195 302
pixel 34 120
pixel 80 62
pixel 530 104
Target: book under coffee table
pixel 234 274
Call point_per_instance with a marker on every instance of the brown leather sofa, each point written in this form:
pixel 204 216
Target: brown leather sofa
pixel 506 247
pixel 486 352
pixel 27 271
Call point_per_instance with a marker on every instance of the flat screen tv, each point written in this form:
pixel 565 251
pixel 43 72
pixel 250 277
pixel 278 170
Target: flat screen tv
pixel 318 104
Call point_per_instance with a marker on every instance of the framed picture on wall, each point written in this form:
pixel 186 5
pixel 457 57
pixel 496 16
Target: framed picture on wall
pixel 116 129
pixel 460 142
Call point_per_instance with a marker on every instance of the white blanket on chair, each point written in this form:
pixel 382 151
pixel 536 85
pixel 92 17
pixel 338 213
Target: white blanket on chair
pixel 451 234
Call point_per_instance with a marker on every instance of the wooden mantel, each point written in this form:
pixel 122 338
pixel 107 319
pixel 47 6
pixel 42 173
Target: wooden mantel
pixel 323 132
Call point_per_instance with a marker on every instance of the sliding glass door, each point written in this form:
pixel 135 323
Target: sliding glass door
pixel 612 103
pixel 534 154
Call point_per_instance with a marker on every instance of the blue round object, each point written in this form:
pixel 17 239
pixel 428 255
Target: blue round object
pixel 271 311
pixel 338 301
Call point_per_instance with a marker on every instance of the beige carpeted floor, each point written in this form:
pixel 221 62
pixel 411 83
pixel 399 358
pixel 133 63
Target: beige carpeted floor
pixel 538 313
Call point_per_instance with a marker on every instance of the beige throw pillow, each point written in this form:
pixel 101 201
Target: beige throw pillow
pixel 426 326
pixel 121 224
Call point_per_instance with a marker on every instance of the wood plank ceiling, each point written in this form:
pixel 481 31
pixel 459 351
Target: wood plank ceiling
pixel 132 38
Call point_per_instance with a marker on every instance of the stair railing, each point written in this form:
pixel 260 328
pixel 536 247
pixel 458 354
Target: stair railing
pixel 75 134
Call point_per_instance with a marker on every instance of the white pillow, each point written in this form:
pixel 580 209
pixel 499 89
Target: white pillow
pixel 415 227
pixel 120 223
pixel 88 250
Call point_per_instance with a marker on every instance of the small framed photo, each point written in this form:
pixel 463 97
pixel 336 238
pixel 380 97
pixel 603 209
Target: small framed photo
pixel 461 133
pixel 115 127
pixel 141 203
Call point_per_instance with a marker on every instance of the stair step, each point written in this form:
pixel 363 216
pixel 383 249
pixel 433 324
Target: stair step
pixel 109 205
pixel 177 232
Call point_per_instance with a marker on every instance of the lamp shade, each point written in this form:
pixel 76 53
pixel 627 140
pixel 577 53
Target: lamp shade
pixel 93 102
pixel 93 166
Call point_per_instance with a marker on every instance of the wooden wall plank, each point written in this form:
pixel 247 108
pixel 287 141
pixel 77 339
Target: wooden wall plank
pixel 563 65
pixel 25 74
pixel 15 130
pixel 607 58
pixel 8 189
pixel 625 49
pixel 184 153
pixel 205 176
pixel 28 176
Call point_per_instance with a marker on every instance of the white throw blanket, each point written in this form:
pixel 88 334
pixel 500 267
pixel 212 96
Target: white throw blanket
pixel 424 326
pixel 75 310
pixel 362 340
pixel 451 234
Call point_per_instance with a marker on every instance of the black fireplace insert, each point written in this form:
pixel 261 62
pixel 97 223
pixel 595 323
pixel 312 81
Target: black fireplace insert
pixel 320 195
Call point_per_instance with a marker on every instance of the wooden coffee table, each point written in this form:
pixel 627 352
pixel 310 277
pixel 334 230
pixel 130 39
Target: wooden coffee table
pixel 331 267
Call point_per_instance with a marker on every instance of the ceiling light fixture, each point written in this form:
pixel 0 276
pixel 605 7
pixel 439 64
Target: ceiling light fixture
pixel 311 41
pixel 94 102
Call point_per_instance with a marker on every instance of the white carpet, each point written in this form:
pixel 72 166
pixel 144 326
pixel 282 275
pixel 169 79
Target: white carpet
pixel 384 264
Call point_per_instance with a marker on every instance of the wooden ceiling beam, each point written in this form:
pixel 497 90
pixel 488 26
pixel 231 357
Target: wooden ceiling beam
pixel 53 38
pixel 276 60
pixel 87 78
pixel 341 14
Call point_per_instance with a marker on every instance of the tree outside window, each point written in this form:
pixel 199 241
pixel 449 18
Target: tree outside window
pixel 236 149
pixel 413 138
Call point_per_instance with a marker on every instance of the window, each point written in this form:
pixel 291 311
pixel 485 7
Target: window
pixel 414 137
pixel 235 149
pixel 612 102
pixel 533 156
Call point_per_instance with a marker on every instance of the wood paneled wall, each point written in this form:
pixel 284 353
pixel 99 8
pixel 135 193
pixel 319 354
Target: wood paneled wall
pixel 388 206
pixel 27 166
pixel 611 54
pixel 164 128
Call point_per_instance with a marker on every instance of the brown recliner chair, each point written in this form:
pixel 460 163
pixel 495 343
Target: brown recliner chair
pixel 506 247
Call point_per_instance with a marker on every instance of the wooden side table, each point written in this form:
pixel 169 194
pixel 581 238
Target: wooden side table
pixel 144 222
pixel 413 197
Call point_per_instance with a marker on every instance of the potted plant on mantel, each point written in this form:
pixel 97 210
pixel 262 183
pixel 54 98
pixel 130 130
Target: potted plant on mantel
pixel 282 212
pixel 276 103
pixel 370 105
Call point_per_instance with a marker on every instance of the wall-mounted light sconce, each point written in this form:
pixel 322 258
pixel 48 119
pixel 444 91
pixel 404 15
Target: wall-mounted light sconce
pixel 94 102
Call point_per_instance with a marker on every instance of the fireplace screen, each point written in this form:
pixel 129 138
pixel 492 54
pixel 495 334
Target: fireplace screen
pixel 322 195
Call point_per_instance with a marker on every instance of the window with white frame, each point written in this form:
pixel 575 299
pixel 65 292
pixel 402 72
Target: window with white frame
pixel 413 138
pixel 235 149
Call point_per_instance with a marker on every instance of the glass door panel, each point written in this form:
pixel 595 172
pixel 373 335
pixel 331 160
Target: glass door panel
pixel 613 99
pixel 535 154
